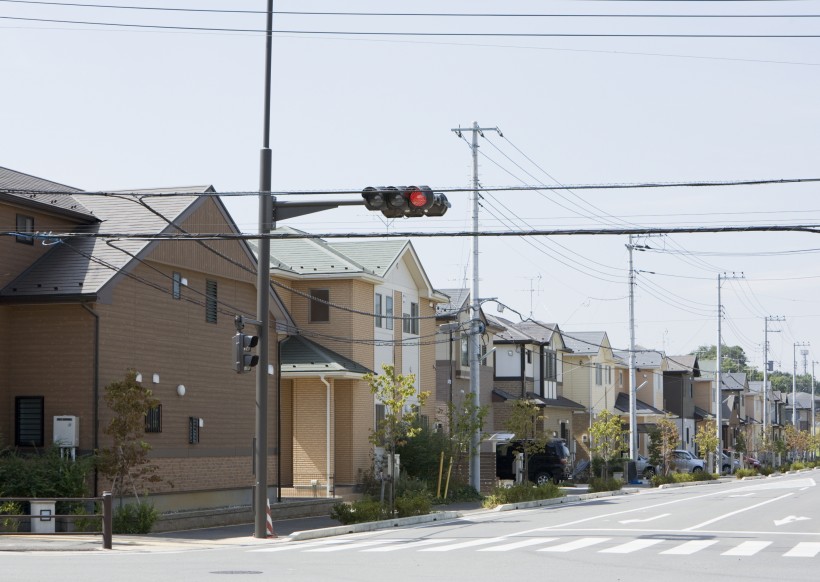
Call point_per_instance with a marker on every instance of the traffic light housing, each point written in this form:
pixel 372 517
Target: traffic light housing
pixel 407 201
pixel 243 358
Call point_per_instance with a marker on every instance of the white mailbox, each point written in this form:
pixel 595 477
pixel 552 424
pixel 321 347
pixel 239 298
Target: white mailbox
pixel 66 431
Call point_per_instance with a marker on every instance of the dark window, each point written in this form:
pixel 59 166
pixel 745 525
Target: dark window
pixel 25 224
pixel 529 356
pixel 319 305
pixel 551 367
pixel 210 301
pixel 193 430
pixel 599 374
pixel 153 419
pixel 176 291
pixel 28 421
pixel 388 311
pixel 377 309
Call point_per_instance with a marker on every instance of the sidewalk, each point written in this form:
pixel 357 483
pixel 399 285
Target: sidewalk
pixel 242 535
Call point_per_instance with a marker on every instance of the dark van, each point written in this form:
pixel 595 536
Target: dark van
pixel 549 464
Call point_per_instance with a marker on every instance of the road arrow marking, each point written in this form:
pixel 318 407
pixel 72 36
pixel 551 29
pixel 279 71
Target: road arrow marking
pixel 789 519
pixel 645 520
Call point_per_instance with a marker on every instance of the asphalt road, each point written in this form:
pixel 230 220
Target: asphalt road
pixel 767 529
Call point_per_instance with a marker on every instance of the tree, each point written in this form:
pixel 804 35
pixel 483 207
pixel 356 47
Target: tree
pixel 707 441
pixel 607 439
pixel 523 422
pixel 733 357
pixel 465 420
pixel 395 392
pixel 126 462
pixel 663 440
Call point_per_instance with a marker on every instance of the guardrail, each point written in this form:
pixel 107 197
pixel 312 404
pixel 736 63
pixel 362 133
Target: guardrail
pixel 46 514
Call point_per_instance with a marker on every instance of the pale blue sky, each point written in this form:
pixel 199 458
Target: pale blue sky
pixel 113 108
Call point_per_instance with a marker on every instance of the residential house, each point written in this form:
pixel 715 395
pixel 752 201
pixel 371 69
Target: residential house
pixel 679 380
pixel 79 311
pixel 588 379
pixel 734 387
pixel 359 305
pixel 529 363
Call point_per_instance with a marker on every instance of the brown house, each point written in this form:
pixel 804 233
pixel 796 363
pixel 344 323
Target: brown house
pixel 78 311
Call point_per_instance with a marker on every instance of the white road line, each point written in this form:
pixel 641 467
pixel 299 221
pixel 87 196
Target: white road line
pixel 630 547
pixel 408 545
pixel 731 513
pixel 468 544
pixel 746 549
pixel 804 550
pixel 576 545
pixel 689 547
pixel 296 546
pixel 341 547
pixel 516 545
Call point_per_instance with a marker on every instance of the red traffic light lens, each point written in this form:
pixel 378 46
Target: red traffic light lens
pixel 417 198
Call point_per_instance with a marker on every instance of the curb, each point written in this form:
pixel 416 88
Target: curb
pixel 558 500
pixel 372 525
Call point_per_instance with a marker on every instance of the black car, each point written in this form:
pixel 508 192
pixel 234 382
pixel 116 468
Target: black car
pixel 548 464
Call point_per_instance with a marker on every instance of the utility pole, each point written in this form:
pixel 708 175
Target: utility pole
pixel 718 389
pixel 633 396
pixel 813 411
pixel 794 382
pixel 766 412
pixel 473 346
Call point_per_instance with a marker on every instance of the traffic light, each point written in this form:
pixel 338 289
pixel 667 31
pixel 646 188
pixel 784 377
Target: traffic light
pixel 408 201
pixel 243 359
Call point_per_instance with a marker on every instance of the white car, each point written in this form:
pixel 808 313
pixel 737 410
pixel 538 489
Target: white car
pixel 644 467
pixel 729 464
pixel 686 462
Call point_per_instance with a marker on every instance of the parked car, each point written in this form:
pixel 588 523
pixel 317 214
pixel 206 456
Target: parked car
pixel 644 467
pixel 548 464
pixel 729 463
pixel 685 462
pixel 751 462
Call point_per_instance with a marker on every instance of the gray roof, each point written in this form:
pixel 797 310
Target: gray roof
pixel 458 300
pixel 686 363
pixel 541 332
pixel 584 343
pixel 28 190
pixel 733 380
pixel 374 255
pixel 641 408
pixel 302 357
pixel 509 334
pixel 309 256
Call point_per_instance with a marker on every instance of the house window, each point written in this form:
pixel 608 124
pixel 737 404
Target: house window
pixel 411 322
pixel 609 374
pixel 319 305
pixel 28 421
pixel 377 309
pixel 176 290
pixel 529 356
pixel 599 375
pixel 153 419
pixel 25 224
pixel 388 311
pixel 551 366
pixel 193 430
pixel 210 301
pixel 465 360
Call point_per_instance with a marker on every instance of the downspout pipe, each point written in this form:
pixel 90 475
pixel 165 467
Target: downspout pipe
pixel 327 434
pixel 96 388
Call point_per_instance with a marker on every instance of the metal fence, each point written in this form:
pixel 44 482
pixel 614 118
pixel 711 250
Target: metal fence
pixel 42 517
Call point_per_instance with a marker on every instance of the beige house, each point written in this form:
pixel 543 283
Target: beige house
pixel 357 305
pixel 78 312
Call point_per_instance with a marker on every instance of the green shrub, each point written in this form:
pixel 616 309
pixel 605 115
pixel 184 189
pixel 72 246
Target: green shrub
pixel 659 480
pixel 702 476
pixel 459 492
pixel 10 524
pixel 797 466
pixel 766 470
pixel 361 511
pixel 521 492
pixel 596 484
pixel 44 474
pixel 134 518
pixel 413 503
pixel 741 473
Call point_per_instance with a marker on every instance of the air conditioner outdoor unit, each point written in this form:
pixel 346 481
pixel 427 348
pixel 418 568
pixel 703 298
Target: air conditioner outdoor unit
pixel 67 431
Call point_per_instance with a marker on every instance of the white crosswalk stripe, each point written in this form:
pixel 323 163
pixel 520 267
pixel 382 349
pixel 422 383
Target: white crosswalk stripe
pixel 630 547
pixel 747 549
pixel 689 547
pixel 803 550
pixel 460 545
pixel 353 546
pixel 409 545
pixel 519 544
pixel 575 545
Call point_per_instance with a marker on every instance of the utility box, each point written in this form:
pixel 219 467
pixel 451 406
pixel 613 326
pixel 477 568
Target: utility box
pixel 42 516
pixel 66 431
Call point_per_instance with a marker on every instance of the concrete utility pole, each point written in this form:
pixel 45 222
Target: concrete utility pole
pixel 794 382
pixel 813 411
pixel 473 346
pixel 718 388
pixel 633 396
pixel 766 412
